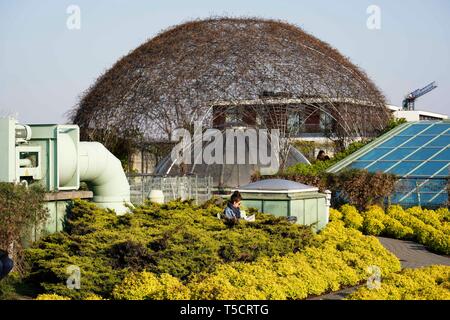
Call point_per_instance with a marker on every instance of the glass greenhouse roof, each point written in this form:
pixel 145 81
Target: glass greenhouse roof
pixel 418 152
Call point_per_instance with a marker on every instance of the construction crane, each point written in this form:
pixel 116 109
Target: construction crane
pixel 408 102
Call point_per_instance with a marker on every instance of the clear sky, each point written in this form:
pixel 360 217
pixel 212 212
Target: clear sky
pixel 44 66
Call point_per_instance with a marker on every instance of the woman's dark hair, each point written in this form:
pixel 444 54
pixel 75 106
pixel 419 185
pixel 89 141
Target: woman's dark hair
pixel 235 197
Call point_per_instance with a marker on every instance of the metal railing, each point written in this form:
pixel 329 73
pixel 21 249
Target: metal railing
pixel 173 187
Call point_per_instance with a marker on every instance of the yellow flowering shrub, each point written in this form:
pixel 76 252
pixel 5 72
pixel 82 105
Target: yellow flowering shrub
pixel 373 226
pixel 51 297
pixel 424 233
pixel 358 250
pixel 148 286
pixel 177 238
pixel 93 296
pixel 444 214
pixel 335 214
pixel 376 222
pixel 351 217
pixel 428 227
pixel 340 258
pixel 434 218
pixel 427 216
pixel 428 283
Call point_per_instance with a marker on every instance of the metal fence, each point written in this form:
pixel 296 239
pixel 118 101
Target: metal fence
pixel 183 187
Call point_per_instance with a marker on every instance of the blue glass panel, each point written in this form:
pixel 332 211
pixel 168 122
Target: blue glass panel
pixel 437 129
pixel 423 154
pixel 431 168
pixel 426 197
pixel 394 142
pixel 375 154
pixel 381 166
pixel 440 200
pixel 414 129
pixel 444 155
pixel 405 185
pixel 395 197
pixel 417 142
pixel 404 167
pixel 432 185
pixel 442 141
pixel 359 164
pixel 428 189
pixel 410 199
pixel 398 154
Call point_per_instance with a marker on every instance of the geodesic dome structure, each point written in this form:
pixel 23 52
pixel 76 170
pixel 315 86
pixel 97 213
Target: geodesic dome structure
pixel 226 70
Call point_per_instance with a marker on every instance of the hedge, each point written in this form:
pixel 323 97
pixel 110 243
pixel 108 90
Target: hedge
pixel 179 251
pixel 428 283
pixel 21 210
pixel 182 251
pixel 360 188
pixel 177 238
pixel 428 227
pixel 340 258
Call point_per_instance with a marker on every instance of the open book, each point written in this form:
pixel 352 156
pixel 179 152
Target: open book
pixel 251 218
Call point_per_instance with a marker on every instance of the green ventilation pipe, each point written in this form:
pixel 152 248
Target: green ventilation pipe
pixel 104 174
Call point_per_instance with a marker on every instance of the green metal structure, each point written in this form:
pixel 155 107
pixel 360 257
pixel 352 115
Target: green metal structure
pixel 288 199
pixel 53 156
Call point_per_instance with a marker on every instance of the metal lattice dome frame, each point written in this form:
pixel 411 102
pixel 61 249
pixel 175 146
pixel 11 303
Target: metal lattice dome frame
pixel 181 74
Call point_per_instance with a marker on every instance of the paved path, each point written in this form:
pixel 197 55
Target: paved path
pixel 413 255
pixel 410 254
pixel 337 295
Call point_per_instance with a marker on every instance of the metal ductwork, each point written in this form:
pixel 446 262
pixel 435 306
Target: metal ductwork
pixel 53 156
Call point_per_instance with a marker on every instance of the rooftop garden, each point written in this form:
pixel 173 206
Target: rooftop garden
pixel 182 251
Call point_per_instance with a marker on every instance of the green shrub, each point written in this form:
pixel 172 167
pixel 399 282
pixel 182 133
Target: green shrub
pixel 182 251
pixel 177 238
pixel 428 217
pixel 319 167
pixel 374 212
pixel 340 258
pixel 392 124
pixel 8 286
pixel 21 211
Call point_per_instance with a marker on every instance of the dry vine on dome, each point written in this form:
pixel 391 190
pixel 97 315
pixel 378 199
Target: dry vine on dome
pixel 260 72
